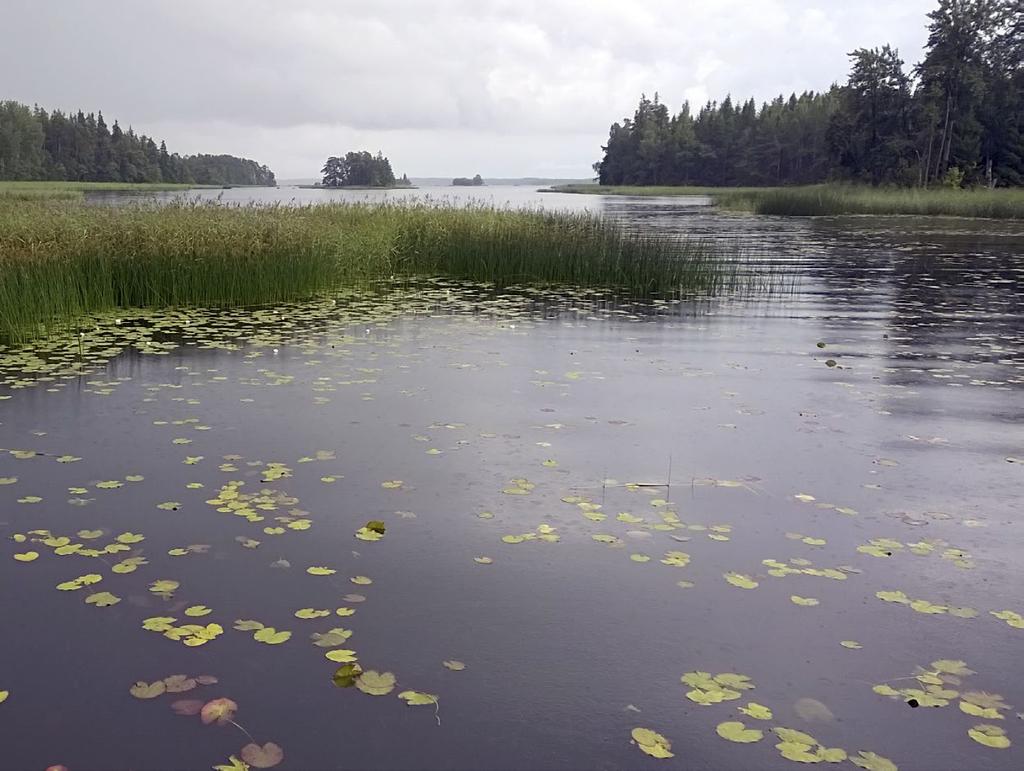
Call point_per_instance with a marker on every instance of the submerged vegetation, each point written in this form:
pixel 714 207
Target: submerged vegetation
pixel 62 260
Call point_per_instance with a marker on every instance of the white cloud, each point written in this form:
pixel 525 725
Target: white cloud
pixel 436 84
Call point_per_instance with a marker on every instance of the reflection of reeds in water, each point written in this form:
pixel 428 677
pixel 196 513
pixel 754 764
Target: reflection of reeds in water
pixel 831 200
pixel 62 260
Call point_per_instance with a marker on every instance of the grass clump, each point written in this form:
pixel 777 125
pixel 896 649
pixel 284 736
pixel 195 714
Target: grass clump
pixel 836 199
pixel 831 200
pixel 61 260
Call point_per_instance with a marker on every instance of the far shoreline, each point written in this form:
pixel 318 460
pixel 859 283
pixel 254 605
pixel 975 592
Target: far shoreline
pixel 358 187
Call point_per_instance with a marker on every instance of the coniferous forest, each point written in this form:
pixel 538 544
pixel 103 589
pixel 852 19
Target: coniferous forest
pixel 36 145
pixel 955 119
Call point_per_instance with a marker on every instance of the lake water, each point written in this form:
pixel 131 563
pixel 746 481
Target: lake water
pixel 660 489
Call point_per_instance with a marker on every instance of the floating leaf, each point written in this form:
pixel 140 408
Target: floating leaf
pixel 990 735
pixel 984 699
pixel 247 625
pixel 361 580
pixel 805 601
pixel 102 599
pixel 986 712
pixel 4 695
pixel 951 667
pixel 376 683
pixel 734 731
pixel 813 710
pixel 873 762
pixel 267 756
pixel 757 711
pixel 320 571
pixel 652 743
pixel 1016 620
pixel 341 656
pixel 158 623
pixel 310 613
pixel 331 638
pixel 233 764
pixel 851 644
pixel 679 559
pixel 483 560
pixel 197 611
pixel 345 675
pixel 417 698
pixel 28 556
pixel 454 665
pixel 271 636
pixel 740 580
pixel 792 736
pixel 187 707
pixel 797 752
pixel 896 596
pixel 218 711
pixel 730 680
pixel 163 587
pixel 144 690
pixel 179 683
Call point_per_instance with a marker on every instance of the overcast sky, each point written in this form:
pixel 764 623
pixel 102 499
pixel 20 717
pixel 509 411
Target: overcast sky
pixel 443 87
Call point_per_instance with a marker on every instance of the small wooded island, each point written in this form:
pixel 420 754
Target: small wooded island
pixel 476 181
pixel 360 169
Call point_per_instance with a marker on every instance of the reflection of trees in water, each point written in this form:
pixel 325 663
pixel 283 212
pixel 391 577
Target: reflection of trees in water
pixel 952 295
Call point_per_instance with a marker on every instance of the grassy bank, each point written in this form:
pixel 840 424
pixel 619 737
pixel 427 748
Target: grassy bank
pixel 63 260
pixel 833 200
pixel 652 190
pixel 32 191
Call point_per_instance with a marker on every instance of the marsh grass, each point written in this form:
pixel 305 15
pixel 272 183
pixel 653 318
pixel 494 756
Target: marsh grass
pixel 35 191
pixel 838 199
pixel 647 190
pixel 81 187
pixel 61 260
pixel 832 200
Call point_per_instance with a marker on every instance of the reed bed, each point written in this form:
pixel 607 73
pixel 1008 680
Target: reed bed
pixel 62 260
pixel 833 200
pixel 647 190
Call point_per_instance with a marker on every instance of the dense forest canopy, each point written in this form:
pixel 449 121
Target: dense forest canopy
pixel 36 145
pixel 476 181
pixel 359 169
pixel 957 118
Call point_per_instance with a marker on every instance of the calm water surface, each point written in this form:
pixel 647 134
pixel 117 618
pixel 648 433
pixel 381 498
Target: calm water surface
pixel 890 460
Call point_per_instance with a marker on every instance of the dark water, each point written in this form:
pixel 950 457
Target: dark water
pixel 913 437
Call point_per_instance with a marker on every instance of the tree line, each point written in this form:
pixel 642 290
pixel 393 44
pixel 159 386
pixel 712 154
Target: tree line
pixel 361 169
pixel 36 145
pixel 956 118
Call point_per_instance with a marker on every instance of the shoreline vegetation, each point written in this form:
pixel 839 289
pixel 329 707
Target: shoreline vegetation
pixel 55 146
pixel 397 186
pixel 836 199
pixel 32 190
pixel 63 261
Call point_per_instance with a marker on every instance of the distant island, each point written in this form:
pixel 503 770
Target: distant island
pixel 40 146
pixel 360 170
pixel 476 181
